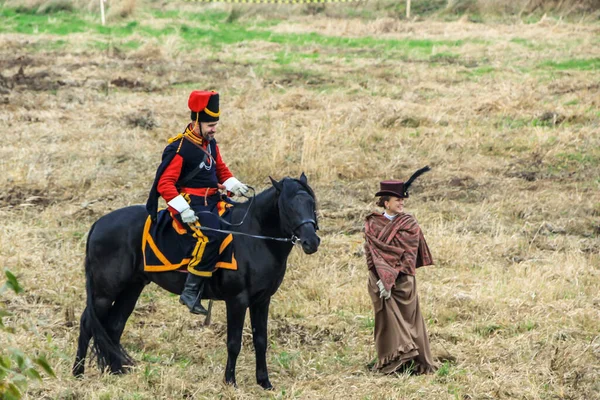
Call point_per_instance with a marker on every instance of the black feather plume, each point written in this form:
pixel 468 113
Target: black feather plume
pixel 415 176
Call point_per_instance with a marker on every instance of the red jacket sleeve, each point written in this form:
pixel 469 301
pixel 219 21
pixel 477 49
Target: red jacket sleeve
pixel 166 184
pixel 223 173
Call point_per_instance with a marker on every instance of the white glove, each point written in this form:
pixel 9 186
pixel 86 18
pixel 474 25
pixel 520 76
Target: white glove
pixel 188 216
pixel 382 292
pixel 181 205
pixel 235 186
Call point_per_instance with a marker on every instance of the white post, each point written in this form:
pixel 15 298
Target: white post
pixel 102 12
pixel 407 9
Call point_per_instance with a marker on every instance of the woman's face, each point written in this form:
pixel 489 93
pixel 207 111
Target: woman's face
pixel 395 205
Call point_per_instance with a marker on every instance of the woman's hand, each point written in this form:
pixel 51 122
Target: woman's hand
pixel 382 292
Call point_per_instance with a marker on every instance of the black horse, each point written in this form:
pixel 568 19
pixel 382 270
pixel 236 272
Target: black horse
pixel 115 275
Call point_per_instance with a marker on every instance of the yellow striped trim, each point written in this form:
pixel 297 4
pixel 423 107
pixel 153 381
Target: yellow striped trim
pixel 212 114
pixel 222 206
pixel 180 231
pixel 198 251
pixel 225 243
pixel 165 268
pixel 202 240
pixel 192 137
pixel 206 274
pixel 167 265
pixel 225 265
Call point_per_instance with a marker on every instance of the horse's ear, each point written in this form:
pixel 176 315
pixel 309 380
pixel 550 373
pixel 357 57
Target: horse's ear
pixel 277 185
pixel 303 178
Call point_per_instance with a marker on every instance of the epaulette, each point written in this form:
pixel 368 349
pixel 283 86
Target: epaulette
pixel 175 138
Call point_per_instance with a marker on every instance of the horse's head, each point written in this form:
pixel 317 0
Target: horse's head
pixel 297 211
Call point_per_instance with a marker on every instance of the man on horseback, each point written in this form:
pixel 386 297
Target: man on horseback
pixel 189 178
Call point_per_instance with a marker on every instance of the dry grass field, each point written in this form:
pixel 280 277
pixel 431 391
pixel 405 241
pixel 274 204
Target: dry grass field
pixel 506 114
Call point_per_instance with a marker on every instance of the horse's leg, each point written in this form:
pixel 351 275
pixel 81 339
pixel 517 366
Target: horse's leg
pixel 259 314
pixel 108 353
pixel 85 335
pixel 236 313
pixel 118 316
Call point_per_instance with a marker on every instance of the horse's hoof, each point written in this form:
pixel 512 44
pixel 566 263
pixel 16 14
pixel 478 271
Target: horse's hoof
pixel 78 374
pixel 265 383
pixel 231 383
pixel 123 370
pixel 78 370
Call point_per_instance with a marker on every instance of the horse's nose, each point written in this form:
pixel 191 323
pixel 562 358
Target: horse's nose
pixel 311 245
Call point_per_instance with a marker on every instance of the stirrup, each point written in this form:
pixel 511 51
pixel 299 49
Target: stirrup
pixel 196 307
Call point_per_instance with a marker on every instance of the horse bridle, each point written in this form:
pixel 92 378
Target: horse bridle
pixel 293 239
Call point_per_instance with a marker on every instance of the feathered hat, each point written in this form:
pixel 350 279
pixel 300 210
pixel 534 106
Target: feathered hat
pixel 398 188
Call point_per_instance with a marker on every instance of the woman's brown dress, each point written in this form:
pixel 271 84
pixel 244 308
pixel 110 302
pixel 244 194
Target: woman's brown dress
pixel 394 250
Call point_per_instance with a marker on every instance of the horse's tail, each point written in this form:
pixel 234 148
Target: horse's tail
pixel 109 354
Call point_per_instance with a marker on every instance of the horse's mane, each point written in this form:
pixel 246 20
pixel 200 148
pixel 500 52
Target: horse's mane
pixel 265 195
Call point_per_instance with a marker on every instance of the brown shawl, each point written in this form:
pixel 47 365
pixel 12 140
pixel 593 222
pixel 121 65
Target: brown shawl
pixel 395 247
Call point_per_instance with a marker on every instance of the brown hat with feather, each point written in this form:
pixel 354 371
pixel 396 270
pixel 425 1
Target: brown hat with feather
pixel 399 188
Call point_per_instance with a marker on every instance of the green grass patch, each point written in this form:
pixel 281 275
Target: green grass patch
pixel 487 330
pixel 60 23
pixel 213 30
pixel 483 70
pixel 574 64
pixel 152 358
pixel 208 17
pixel 478 72
pixel 368 323
pixel 588 159
pixel 511 123
pixel 444 369
pixel 525 326
pixel 523 42
pixel 285 359
pixel 286 58
pixel 444 58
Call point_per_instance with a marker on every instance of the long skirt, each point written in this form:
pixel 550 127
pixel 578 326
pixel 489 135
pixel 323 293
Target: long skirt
pixel 400 334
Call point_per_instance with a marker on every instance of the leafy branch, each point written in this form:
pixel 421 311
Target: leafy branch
pixel 16 368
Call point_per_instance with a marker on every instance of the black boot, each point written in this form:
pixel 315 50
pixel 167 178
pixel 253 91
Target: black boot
pixel 192 294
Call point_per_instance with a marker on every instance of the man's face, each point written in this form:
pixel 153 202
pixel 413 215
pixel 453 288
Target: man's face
pixel 208 130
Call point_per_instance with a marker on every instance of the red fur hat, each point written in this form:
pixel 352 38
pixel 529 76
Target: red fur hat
pixel 204 106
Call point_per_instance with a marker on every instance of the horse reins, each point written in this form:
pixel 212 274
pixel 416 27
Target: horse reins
pixel 294 239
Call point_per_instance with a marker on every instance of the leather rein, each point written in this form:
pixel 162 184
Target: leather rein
pixel 293 239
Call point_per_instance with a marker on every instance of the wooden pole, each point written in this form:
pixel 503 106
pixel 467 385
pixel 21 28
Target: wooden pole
pixel 102 12
pixel 407 9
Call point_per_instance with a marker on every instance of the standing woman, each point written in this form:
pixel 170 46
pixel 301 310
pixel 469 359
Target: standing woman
pixel 395 247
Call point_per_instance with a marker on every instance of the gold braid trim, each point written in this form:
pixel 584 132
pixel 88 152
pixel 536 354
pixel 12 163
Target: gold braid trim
pixel 212 114
pixel 191 136
pixel 175 138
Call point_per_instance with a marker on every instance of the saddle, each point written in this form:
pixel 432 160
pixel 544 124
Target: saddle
pixel 165 248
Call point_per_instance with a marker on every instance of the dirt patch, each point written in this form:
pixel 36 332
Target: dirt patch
pixel 7 63
pixel 144 119
pixel 29 197
pixel 285 332
pixel 291 79
pixel 38 81
pixel 561 88
pixel 403 121
pixel 127 83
